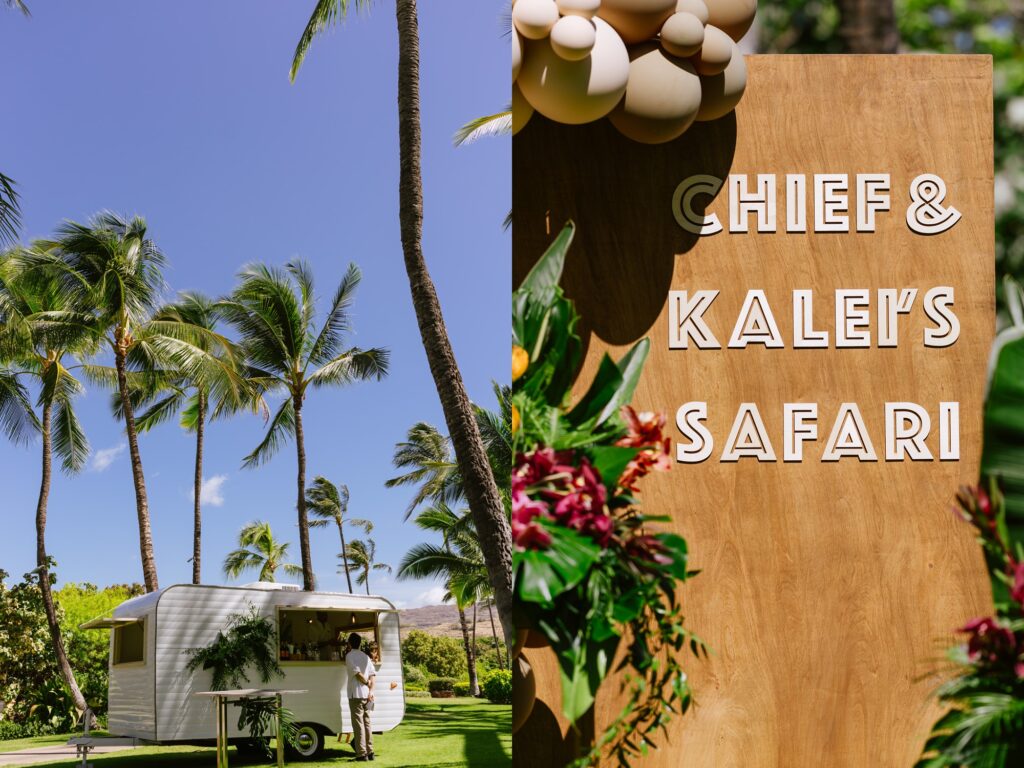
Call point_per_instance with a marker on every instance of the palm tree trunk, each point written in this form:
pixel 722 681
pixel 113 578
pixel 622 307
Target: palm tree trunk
pixel 197 521
pixel 474 684
pixel 141 500
pixel 494 634
pixel 43 567
pixel 308 582
pixel 344 554
pixel 367 578
pixel 481 491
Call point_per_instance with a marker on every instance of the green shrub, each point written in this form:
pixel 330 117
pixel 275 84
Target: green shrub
pixel 417 694
pixel 441 685
pixel 439 656
pixel 497 686
pixel 9 730
pixel 462 688
pixel 414 676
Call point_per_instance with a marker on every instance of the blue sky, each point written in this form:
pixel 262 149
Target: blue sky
pixel 183 113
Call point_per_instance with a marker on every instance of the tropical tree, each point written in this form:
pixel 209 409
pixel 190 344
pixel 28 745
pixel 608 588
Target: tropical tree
pixel 39 335
pixel 362 556
pixel 273 311
pixel 112 269
pixel 485 501
pixel 329 503
pixel 458 562
pixel 258 550
pixel 195 399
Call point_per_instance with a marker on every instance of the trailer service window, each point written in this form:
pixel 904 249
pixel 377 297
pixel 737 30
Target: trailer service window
pixel 311 635
pixel 130 643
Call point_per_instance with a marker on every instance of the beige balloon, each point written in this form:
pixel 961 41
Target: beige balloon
pixel 715 53
pixel 522 111
pixel 696 7
pixel 662 97
pixel 534 18
pixel 585 8
pixel 575 92
pixel 733 17
pixel 573 37
pixel 682 35
pixel 722 92
pixel 636 20
pixel 517 54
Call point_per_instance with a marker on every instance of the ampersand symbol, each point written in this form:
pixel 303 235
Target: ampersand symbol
pixel 926 215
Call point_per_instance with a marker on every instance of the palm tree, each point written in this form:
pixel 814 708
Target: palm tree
pixel 328 503
pixel 259 550
pixel 112 269
pixel 38 334
pixel 489 513
pixel 196 399
pixel 458 561
pixel 273 311
pixel 362 556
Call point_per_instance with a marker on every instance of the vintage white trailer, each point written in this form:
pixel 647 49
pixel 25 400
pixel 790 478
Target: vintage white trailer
pixel 152 690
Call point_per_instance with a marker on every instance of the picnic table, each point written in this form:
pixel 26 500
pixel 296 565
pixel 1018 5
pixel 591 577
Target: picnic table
pixel 221 700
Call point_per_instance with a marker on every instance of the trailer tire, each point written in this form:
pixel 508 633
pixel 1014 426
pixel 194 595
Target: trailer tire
pixel 309 742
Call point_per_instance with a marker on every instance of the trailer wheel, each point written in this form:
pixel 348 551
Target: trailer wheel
pixel 309 742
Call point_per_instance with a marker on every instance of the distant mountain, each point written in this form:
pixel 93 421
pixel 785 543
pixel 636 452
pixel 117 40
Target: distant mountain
pixel 435 619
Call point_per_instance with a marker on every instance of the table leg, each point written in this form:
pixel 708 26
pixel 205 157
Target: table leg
pixel 280 735
pixel 224 730
pixel 216 706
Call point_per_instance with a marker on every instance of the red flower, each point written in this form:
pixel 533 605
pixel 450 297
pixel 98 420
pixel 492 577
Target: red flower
pixel 526 532
pixel 648 548
pixel 645 432
pixel 1017 592
pixel 990 643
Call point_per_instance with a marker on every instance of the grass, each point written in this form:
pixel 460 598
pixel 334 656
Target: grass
pixel 443 733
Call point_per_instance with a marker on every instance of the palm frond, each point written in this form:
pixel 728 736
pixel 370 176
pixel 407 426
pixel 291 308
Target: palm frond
pixel 325 14
pixel 10 203
pixel 351 366
pixel 69 441
pixel 17 419
pixel 337 322
pixel 498 124
pixel 282 427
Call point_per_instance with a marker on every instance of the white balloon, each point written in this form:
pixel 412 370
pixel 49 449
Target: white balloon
pixel 585 8
pixel 722 92
pixel 534 18
pixel 517 54
pixel 576 92
pixel 696 7
pixel 682 35
pixel 573 37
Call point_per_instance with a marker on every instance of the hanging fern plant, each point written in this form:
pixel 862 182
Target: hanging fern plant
pixel 249 642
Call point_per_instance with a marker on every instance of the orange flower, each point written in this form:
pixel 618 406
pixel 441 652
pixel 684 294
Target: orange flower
pixel 515 419
pixel 520 361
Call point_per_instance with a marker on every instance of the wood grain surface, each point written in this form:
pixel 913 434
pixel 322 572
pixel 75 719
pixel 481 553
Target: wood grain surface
pixel 828 591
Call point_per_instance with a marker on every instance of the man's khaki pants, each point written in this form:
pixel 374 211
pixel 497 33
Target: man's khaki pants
pixel 362 736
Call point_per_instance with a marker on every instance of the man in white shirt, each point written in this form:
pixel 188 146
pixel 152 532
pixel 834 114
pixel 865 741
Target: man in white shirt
pixel 361 676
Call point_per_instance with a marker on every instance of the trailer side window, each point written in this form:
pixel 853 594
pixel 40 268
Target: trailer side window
pixel 309 635
pixel 130 643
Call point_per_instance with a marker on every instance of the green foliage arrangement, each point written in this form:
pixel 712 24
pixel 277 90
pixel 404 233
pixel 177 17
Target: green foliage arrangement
pixel 589 569
pixel 248 642
pixel 438 656
pixel 461 688
pixel 258 715
pixel 27 665
pixel 497 686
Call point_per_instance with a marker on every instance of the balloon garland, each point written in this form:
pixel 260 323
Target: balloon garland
pixel 653 67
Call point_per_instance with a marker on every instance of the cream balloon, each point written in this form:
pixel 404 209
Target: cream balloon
pixel 722 92
pixel 696 7
pixel 534 18
pixel 682 35
pixel 573 37
pixel 733 17
pixel 715 53
pixel 662 97
pixel 517 54
pixel 585 8
pixel 521 110
pixel 575 92
pixel 636 21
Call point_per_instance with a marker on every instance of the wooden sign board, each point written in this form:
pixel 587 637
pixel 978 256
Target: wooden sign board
pixel 839 371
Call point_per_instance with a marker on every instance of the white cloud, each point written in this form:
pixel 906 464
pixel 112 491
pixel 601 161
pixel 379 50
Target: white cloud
pixel 212 491
pixel 104 457
pixel 433 596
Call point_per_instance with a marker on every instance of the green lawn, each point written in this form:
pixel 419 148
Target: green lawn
pixel 444 733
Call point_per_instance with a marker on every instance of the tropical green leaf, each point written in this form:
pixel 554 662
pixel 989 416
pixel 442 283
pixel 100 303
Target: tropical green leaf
pixel 543 575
